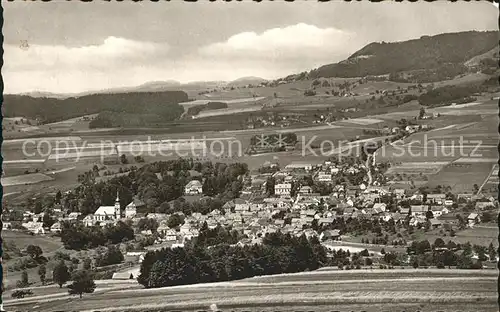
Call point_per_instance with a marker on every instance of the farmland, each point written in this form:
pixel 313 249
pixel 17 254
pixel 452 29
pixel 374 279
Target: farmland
pixel 319 290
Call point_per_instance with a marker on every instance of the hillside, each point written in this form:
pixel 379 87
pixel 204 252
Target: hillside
pixel 244 81
pixel 425 53
pixel 162 104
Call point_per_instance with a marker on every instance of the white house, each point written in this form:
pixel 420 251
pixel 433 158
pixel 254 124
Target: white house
pixel 324 177
pixel 56 227
pixel 299 165
pixel 283 189
pixel 194 187
pixel 131 209
pixel 241 205
pixel 34 227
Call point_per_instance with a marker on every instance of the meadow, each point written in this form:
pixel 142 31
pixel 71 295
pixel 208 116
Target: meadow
pixel 321 290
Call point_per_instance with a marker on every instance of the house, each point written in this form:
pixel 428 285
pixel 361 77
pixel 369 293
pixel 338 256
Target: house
pixel 324 177
pixel 73 216
pixel 6 226
pixel 325 221
pixel 194 187
pixel 56 228
pixel 283 189
pixel 435 223
pixel 305 190
pixel 123 276
pixel 131 209
pixel 330 235
pixel 34 227
pixel 412 128
pixel 472 219
pixel 380 206
pixel 399 193
pixel 241 205
pixel 448 202
pixel 438 211
pixel 419 210
pixel 170 235
pixel 436 198
pixel 299 165
pixel 481 205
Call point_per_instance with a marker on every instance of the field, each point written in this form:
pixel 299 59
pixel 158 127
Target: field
pixel 480 235
pixel 321 290
pixel 25 179
pixel 461 177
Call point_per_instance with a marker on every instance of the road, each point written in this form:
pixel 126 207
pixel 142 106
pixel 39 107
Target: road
pixel 320 290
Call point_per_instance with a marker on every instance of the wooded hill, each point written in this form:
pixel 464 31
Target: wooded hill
pixel 426 53
pixel 163 105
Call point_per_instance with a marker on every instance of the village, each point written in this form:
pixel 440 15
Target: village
pixel 301 198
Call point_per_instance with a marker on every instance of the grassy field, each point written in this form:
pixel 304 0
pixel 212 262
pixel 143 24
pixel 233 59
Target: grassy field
pixel 461 178
pixel 319 290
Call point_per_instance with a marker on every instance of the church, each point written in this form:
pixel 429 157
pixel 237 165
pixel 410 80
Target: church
pixel 104 214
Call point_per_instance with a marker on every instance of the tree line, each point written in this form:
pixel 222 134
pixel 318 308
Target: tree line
pixel 279 253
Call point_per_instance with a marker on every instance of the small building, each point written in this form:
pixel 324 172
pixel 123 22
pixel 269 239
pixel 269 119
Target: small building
pixel 305 190
pixel 472 219
pixel 299 165
pixel 131 209
pixel 56 228
pixel 194 187
pixel 435 223
pixel 283 189
pixel 241 205
pixel 330 235
pixel 437 199
pixel 419 210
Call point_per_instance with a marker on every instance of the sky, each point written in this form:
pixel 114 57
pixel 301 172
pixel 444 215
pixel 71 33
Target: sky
pixel 70 47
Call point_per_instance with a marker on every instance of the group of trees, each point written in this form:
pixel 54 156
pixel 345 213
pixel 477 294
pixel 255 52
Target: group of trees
pixel 449 94
pixel 157 185
pixel 78 236
pixel 279 253
pixel 195 110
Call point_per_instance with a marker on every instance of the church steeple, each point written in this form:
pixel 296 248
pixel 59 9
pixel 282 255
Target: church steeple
pixel 117 206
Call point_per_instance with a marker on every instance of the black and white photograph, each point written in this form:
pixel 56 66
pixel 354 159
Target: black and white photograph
pixel 250 156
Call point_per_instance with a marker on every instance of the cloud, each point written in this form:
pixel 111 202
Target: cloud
pixel 286 43
pixel 106 55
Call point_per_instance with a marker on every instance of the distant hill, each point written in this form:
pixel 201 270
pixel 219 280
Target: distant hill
pixel 426 53
pixel 161 104
pixel 244 81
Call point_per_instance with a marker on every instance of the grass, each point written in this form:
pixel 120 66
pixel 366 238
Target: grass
pixel 317 290
pixel 461 178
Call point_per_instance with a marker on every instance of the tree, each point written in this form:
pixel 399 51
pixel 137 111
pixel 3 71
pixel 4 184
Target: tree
pixel 34 251
pixel 112 256
pixel 175 220
pixel 60 275
pixel 123 159
pixel 475 188
pixel 439 243
pixel 382 251
pixel 492 252
pixel 82 283
pixel 87 264
pixel 422 113
pixel 24 282
pixel 58 197
pixel 42 271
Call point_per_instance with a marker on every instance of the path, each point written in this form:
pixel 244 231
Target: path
pixel 495 166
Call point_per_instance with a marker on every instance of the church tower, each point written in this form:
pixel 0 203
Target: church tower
pixel 117 207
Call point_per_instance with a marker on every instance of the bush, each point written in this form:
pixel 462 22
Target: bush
pixel 21 293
